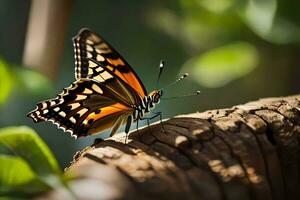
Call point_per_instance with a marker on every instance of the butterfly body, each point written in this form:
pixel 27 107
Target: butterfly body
pixel 107 92
pixel 147 104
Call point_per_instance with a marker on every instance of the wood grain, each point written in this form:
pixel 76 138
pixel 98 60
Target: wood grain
pixel 249 151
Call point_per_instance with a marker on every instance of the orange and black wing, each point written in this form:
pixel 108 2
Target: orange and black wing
pixel 84 108
pixel 89 45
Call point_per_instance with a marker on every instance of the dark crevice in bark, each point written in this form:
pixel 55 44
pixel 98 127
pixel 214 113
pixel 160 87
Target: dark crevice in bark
pixel 269 131
pixel 94 158
pixel 270 135
pixel 271 139
pixel 262 153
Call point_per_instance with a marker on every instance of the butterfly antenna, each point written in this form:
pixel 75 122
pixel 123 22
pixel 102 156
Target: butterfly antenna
pixel 161 67
pixel 186 95
pixel 177 81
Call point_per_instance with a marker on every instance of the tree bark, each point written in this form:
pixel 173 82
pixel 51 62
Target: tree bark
pixel 249 151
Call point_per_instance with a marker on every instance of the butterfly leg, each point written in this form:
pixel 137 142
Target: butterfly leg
pixel 161 122
pixel 137 126
pixel 148 123
pixel 160 119
pixel 127 127
pixel 154 116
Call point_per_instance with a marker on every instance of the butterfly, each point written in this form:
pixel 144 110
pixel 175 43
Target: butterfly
pixel 107 92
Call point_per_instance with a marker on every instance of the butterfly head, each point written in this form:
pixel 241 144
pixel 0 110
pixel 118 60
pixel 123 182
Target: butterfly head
pixel 156 95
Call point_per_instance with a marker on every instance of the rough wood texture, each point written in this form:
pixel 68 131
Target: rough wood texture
pixel 249 151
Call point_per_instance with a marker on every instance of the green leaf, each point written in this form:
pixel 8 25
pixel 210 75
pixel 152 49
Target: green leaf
pixel 219 66
pixel 32 82
pixel 216 6
pixel 25 144
pixel 6 81
pixel 17 178
pixel 10 169
pixel 259 15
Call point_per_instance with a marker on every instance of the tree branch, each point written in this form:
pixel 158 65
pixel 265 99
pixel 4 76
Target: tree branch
pixel 249 151
pixel 45 36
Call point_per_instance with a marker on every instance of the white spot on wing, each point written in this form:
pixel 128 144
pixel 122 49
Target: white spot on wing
pixel 102 46
pixel 103 51
pixel 89 48
pixel 80 97
pixel 100 58
pixel 69 131
pixel 74 105
pixel 62 113
pixel 89 55
pixel 74 136
pixel 44 105
pixel 106 75
pixel 90 71
pixel 97 89
pixel 82 111
pixel 90 42
pixel 98 69
pixel 99 79
pixel 73 120
pixel 87 91
pixel 92 64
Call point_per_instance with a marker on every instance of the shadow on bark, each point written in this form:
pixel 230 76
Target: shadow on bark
pixel 249 151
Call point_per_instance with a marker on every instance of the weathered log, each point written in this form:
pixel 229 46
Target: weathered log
pixel 249 151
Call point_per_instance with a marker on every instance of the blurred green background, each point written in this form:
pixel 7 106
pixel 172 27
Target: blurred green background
pixel 235 51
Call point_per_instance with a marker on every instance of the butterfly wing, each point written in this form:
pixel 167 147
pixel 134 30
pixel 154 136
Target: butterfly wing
pixel 114 83
pixel 89 45
pixel 103 96
pixel 84 108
